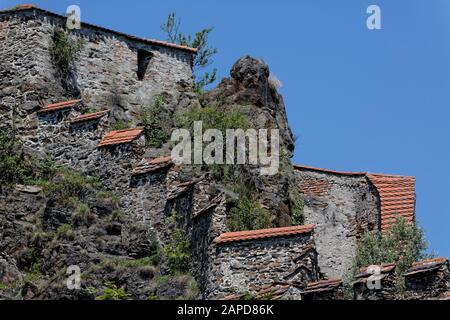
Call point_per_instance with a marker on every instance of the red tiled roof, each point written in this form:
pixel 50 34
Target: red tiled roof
pixel 323 284
pixel 148 166
pixel 426 265
pixel 385 268
pixel 90 116
pixel 60 105
pixel 397 193
pixel 397 198
pixel 120 136
pixel 417 267
pixel 135 38
pixel 263 233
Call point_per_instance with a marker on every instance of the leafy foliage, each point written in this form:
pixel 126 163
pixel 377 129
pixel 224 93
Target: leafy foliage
pixel 403 244
pixel 247 214
pixel 112 292
pixel 177 252
pixel 13 166
pixel 64 50
pixel 199 41
pixel 157 123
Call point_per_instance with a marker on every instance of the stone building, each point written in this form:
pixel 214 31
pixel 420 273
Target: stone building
pixel 113 71
pixel 344 204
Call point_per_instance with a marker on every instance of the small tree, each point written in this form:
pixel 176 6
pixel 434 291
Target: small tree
pixel 402 244
pixel 199 41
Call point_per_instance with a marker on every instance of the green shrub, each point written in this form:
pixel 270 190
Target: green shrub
pixel 214 118
pixel 67 184
pixel 13 166
pixel 177 252
pixel 248 215
pixel 65 231
pixel 82 215
pixel 120 125
pixel 112 292
pixel 157 122
pixel 64 51
pixel 296 205
pixel 402 244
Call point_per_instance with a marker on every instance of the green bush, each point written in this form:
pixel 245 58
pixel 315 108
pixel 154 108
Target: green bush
pixel 296 205
pixel 14 167
pixel 177 252
pixel 68 184
pixel 248 215
pixel 120 125
pixel 214 118
pixel 64 231
pixel 64 51
pixel 112 292
pixel 402 244
pixel 157 122
pixel 82 215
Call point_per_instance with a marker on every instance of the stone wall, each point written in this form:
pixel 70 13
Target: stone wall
pixel 340 206
pixel 105 74
pixel 249 266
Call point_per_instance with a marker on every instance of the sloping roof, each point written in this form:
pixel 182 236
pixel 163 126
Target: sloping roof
pixel 426 265
pixel 417 267
pixel 385 268
pixel 60 105
pixel 397 198
pixel 322 285
pixel 31 7
pixel 263 234
pixel 309 168
pixel 120 136
pixel 397 193
pixel 152 165
pixel 89 116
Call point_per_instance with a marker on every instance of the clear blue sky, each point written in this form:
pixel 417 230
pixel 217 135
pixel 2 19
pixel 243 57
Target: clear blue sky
pixel 357 100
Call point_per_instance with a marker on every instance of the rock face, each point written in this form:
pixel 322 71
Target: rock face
pixel 250 90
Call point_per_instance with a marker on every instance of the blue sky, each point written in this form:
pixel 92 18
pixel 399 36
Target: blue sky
pixel 358 100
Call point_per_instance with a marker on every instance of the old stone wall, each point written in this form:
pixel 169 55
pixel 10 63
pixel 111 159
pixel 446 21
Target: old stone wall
pixel 340 206
pixel 249 266
pixel 105 73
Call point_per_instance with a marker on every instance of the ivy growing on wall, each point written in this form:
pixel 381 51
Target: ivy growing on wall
pixel 64 50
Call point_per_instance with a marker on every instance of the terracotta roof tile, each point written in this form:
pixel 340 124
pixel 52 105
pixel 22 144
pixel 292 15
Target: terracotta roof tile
pixel 90 116
pixel 417 267
pixel 120 136
pixel 322 285
pixel 145 40
pixel 426 265
pixel 152 165
pixel 397 197
pixel 263 233
pixel 60 106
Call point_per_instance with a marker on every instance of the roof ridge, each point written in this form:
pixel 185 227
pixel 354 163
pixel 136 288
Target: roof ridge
pixel 26 7
pixel 361 173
